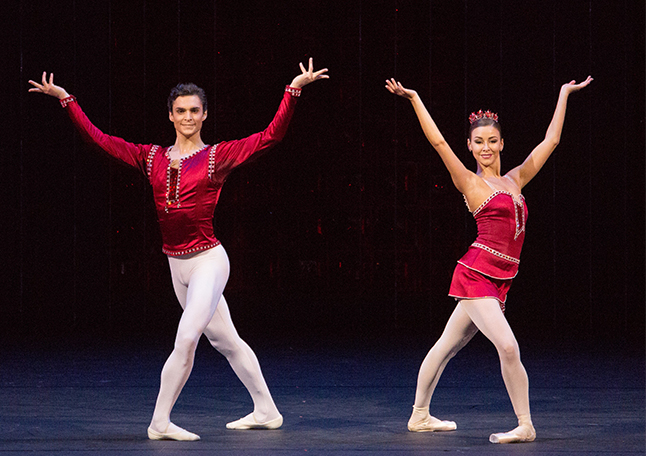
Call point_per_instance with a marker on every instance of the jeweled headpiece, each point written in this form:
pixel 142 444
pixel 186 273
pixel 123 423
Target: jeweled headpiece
pixel 476 116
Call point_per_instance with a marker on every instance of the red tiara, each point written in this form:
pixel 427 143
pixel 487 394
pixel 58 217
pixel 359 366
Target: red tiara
pixel 476 116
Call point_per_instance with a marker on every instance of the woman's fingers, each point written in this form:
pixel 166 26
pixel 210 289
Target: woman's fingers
pixel 395 87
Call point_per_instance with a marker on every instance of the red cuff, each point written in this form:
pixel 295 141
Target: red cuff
pixel 67 100
pixel 293 91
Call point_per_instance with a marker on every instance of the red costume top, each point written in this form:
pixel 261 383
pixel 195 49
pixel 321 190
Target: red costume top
pixel 185 197
pixel 501 232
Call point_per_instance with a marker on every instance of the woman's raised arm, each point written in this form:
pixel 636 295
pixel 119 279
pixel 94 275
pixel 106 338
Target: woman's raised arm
pixel 525 172
pixel 461 176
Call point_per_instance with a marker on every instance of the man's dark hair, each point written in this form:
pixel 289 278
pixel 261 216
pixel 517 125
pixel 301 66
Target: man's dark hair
pixel 183 90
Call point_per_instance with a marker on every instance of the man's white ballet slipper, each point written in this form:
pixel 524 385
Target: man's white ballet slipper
pixel 181 435
pixel 521 434
pixel 432 425
pixel 249 422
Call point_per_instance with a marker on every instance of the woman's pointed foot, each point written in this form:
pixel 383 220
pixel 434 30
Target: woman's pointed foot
pixel 523 433
pixel 173 432
pixel 249 422
pixel 422 421
pixel 432 424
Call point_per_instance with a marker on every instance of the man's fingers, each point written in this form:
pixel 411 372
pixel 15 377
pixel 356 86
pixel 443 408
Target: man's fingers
pixel 36 87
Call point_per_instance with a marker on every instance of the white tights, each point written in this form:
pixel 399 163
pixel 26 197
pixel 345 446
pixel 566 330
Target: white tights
pixel 199 280
pixel 468 317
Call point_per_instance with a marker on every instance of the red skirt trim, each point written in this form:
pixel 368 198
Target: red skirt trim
pixel 470 284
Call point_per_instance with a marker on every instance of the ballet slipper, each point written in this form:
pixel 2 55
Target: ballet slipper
pixel 525 432
pixel 432 424
pixel 249 422
pixel 181 434
pixel 428 423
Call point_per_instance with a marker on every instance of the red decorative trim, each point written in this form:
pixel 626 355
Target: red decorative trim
pixel 497 253
pixel 212 161
pixel 465 298
pixel 293 91
pixel 149 160
pixel 67 100
pixel 487 274
pixel 193 250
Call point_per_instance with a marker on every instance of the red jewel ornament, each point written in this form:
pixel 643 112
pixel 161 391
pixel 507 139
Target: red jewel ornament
pixel 476 116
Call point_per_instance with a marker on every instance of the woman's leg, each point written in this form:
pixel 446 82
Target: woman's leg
pixel 487 316
pixel 458 332
pixel 225 339
pixel 198 282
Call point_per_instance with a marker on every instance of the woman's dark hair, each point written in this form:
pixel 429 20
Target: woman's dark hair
pixel 485 122
pixel 183 90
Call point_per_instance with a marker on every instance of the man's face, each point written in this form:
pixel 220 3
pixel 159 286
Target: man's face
pixel 187 115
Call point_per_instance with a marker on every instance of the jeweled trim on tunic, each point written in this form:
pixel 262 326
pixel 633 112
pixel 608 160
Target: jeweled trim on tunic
pixel 174 178
pixel 497 253
pixel 212 161
pixel 149 160
pixel 172 185
pixel 519 207
pixel 67 100
pixel 293 91
pixel 192 250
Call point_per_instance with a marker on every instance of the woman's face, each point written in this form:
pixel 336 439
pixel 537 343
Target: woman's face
pixel 485 144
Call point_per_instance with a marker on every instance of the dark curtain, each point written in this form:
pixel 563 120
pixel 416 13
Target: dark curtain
pixel 351 226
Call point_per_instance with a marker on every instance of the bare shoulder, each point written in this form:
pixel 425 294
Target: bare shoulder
pixel 513 178
pixel 477 192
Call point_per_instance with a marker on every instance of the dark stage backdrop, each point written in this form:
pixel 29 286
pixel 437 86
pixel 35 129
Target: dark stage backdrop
pixel 350 227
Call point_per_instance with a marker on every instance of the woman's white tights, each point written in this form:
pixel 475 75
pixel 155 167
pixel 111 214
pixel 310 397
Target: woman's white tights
pixel 468 317
pixel 199 280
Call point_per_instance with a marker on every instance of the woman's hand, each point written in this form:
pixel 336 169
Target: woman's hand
pixel 308 75
pixel 48 87
pixel 398 89
pixel 573 87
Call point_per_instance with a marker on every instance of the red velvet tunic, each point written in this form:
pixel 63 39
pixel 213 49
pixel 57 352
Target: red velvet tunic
pixel 501 232
pixel 487 268
pixel 185 198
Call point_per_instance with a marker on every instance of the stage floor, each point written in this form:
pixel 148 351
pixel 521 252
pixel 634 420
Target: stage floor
pixel 97 399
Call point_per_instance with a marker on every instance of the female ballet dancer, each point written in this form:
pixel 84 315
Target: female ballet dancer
pixel 484 274
pixel 186 179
